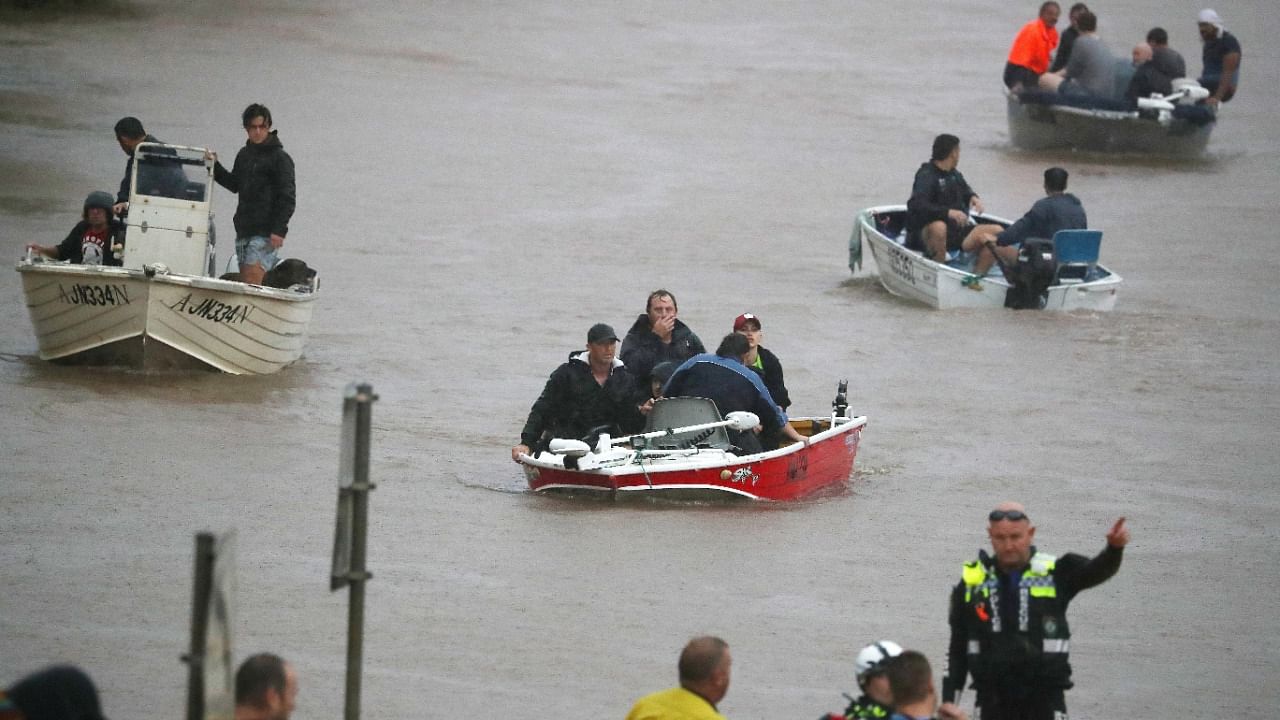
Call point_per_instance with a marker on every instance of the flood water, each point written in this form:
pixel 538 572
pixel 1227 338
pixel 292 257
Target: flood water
pixel 478 184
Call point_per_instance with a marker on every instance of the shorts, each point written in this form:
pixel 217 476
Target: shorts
pixel 256 250
pixel 955 237
pixel 1018 75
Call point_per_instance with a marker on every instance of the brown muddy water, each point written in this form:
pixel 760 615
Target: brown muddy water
pixel 478 184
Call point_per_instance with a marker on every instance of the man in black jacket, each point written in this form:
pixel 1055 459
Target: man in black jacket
pixel 938 211
pixel 1009 619
pixel 590 390
pixel 760 359
pixel 262 176
pixel 658 336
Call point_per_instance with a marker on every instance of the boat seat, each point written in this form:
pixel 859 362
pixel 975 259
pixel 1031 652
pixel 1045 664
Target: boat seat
pixel 681 412
pixel 1077 252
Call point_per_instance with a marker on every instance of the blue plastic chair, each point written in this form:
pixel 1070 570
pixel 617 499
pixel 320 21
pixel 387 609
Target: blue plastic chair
pixel 1077 252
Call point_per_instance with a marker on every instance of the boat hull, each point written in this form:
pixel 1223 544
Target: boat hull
pixel 790 473
pixel 156 321
pixel 910 275
pixel 1034 126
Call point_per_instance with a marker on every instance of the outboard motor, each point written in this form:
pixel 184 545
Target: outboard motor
pixel 840 406
pixel 1031 276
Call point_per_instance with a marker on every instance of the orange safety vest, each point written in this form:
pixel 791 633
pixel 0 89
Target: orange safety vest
pixel 1032 46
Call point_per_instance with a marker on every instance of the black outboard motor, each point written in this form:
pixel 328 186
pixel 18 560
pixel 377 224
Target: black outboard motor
pixel 1031 276
pixel 840 406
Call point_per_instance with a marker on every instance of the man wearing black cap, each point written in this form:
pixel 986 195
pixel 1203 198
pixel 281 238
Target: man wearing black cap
pixel 590 390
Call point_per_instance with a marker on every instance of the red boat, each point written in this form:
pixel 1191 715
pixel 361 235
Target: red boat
pixel 685 453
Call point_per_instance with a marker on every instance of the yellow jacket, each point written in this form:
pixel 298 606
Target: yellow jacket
pixel 674 704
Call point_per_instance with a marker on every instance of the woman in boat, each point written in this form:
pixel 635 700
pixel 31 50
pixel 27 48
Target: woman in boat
pixel 93 240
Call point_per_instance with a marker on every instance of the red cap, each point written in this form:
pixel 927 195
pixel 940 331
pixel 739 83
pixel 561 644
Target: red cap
pixel 741 321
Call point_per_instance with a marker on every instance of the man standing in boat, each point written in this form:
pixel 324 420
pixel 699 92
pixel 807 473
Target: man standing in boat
pixel 1058 210
pixel 1009 619
pixel 592 389
pixel 658 336
pixel 1221 58
pixel 262 176
pixel 704 681
pixel 725 379
pixel 938 211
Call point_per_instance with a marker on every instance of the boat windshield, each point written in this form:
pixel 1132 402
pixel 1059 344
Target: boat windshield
pixel 171 172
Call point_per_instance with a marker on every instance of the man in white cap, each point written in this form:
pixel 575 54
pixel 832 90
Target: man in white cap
pixel 1221 58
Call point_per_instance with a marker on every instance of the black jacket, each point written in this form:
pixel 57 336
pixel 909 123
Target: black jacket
pixel 263 177
pixel 771 373
pixel 641 349
pixel 1147 79
pixel 1012 660
pixel 1065 43
pixel 572 403
pixel 72 247
pixel 933 194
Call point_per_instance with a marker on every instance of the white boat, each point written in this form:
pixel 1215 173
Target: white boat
pixel 163 309
pixel 1171 125
pixel 909 274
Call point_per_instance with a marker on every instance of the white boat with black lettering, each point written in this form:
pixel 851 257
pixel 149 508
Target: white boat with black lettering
pixel 1079 282
pixel 163 309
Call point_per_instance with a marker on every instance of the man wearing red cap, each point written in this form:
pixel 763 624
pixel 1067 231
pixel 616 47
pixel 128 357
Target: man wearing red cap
pixel 761 360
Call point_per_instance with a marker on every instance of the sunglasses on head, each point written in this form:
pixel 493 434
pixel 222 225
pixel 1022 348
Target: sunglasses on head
pixel 1015 515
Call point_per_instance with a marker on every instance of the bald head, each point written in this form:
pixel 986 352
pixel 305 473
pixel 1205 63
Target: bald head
pixel 1141 54
pixel 1011 506
pixel 704 668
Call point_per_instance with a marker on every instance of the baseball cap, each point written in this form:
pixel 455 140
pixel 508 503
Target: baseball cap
pixel 741 321
pixel 601 332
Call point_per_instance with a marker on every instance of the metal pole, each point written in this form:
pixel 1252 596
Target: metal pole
pixel 203 585
pixel 359 528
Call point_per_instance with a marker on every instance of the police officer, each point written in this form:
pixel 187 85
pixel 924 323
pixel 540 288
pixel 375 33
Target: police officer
pixel 1008 619
pixel 876 701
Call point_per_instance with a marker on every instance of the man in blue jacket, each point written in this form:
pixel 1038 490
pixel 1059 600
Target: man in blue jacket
pixel 727 381
pixel 1058 210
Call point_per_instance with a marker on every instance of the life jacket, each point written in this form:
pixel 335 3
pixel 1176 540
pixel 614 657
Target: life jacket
pixel 864 708
pixel 1033 652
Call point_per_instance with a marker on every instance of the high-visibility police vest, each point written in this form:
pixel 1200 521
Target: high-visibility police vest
pixel 864 708
pixel 1035 650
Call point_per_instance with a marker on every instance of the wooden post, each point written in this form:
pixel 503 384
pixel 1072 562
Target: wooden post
pixel 195 659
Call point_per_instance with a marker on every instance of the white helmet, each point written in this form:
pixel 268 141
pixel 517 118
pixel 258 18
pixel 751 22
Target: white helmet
pixel 871 658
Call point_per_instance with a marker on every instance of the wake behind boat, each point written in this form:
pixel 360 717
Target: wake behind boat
pixel 1169 125
pixel 163 309
pixel 1077 283
pixel 685 453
